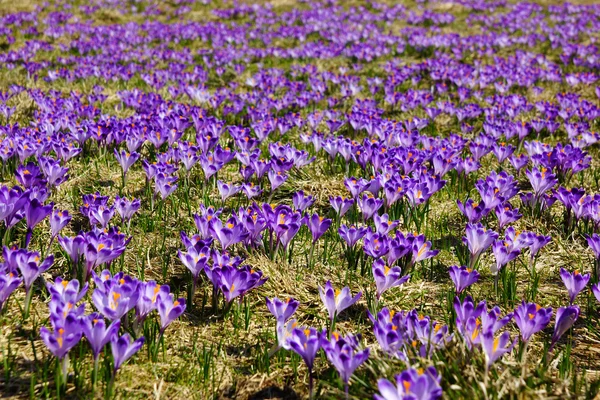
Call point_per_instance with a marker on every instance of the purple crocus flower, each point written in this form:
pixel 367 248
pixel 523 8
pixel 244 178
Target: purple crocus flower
pixel 168 308
pixel 594 243
pixel 506 214
pixel 67 333
pixel 12 202
pixel 282 310
pixel 343 353
pixel 383 224
pixel 341 205
pixel 574 282
pixel 227 189
pixel 115 297
pixel 126 208
pixel 478 239
pixel 531 318
pixel 147 301
pixel 462 277
pixel 472 210
pixel 541 181
pixel 595 290
pixel 318 226
pixel 35 212
pixel 194 260
pixel 30 175
pixel 9 281
pixel 301 202
pixel 230 233
pixel 97 333
pixel 30 267
pixel 421 249
pixel 376 245
pixel 495 347
pixel 386 277
pixel 369 205
pixel 126 160
pixel 165 184
pixel 67 291
pixel 58 220
pixel 276 179
pixel 123 348
pixel 306 343
pixel 504 254
pixel 55 174
pixel 73 246
pixel 422 384
pixel 337 300
pixel 565 318
pixel 352 234
pixel 236 282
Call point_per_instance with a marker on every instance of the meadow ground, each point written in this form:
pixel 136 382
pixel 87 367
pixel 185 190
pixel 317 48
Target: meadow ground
pixel 358 85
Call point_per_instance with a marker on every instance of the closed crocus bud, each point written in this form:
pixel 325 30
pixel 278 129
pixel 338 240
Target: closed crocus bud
pixel 565 318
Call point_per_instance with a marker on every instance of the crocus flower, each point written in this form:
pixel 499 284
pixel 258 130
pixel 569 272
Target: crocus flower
pixel 282 310
pixel 236 282
pixel 352 234
pixel 67 291
pixel 478 239
pixel 64 337
pixel 337 301
pixel 565 318
pixel 147 300
pixel 123 348
pixel 423 384
pixel 462 277
pixel 504 254
pixel 9 281
pixel 541 181
pixel 595 291
pixel 421 249
pixel 58 221
pixel 594 243
pixel 376 245
pixel 495 347
pixel 165 184
pixel 318 226
pixel 386 277
pixel 194 260
pixel 537 242
pixel 35 212
pixel 369 205
pixel 126 208
pixel 472 210
pixel 383 224
pixel 531 318
pixel 284 333
pixel 230 233
pixel 115 297
pixel 29 175
pixel 126 160
pixel 506 214
pixel 97 333
pixel 574 282
pixel 227 190
pixel 301 202
pixel 343 353
pixel 341 205
pixel 276 179
pixel 169 309
pixel 30 267
pixel 306 343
